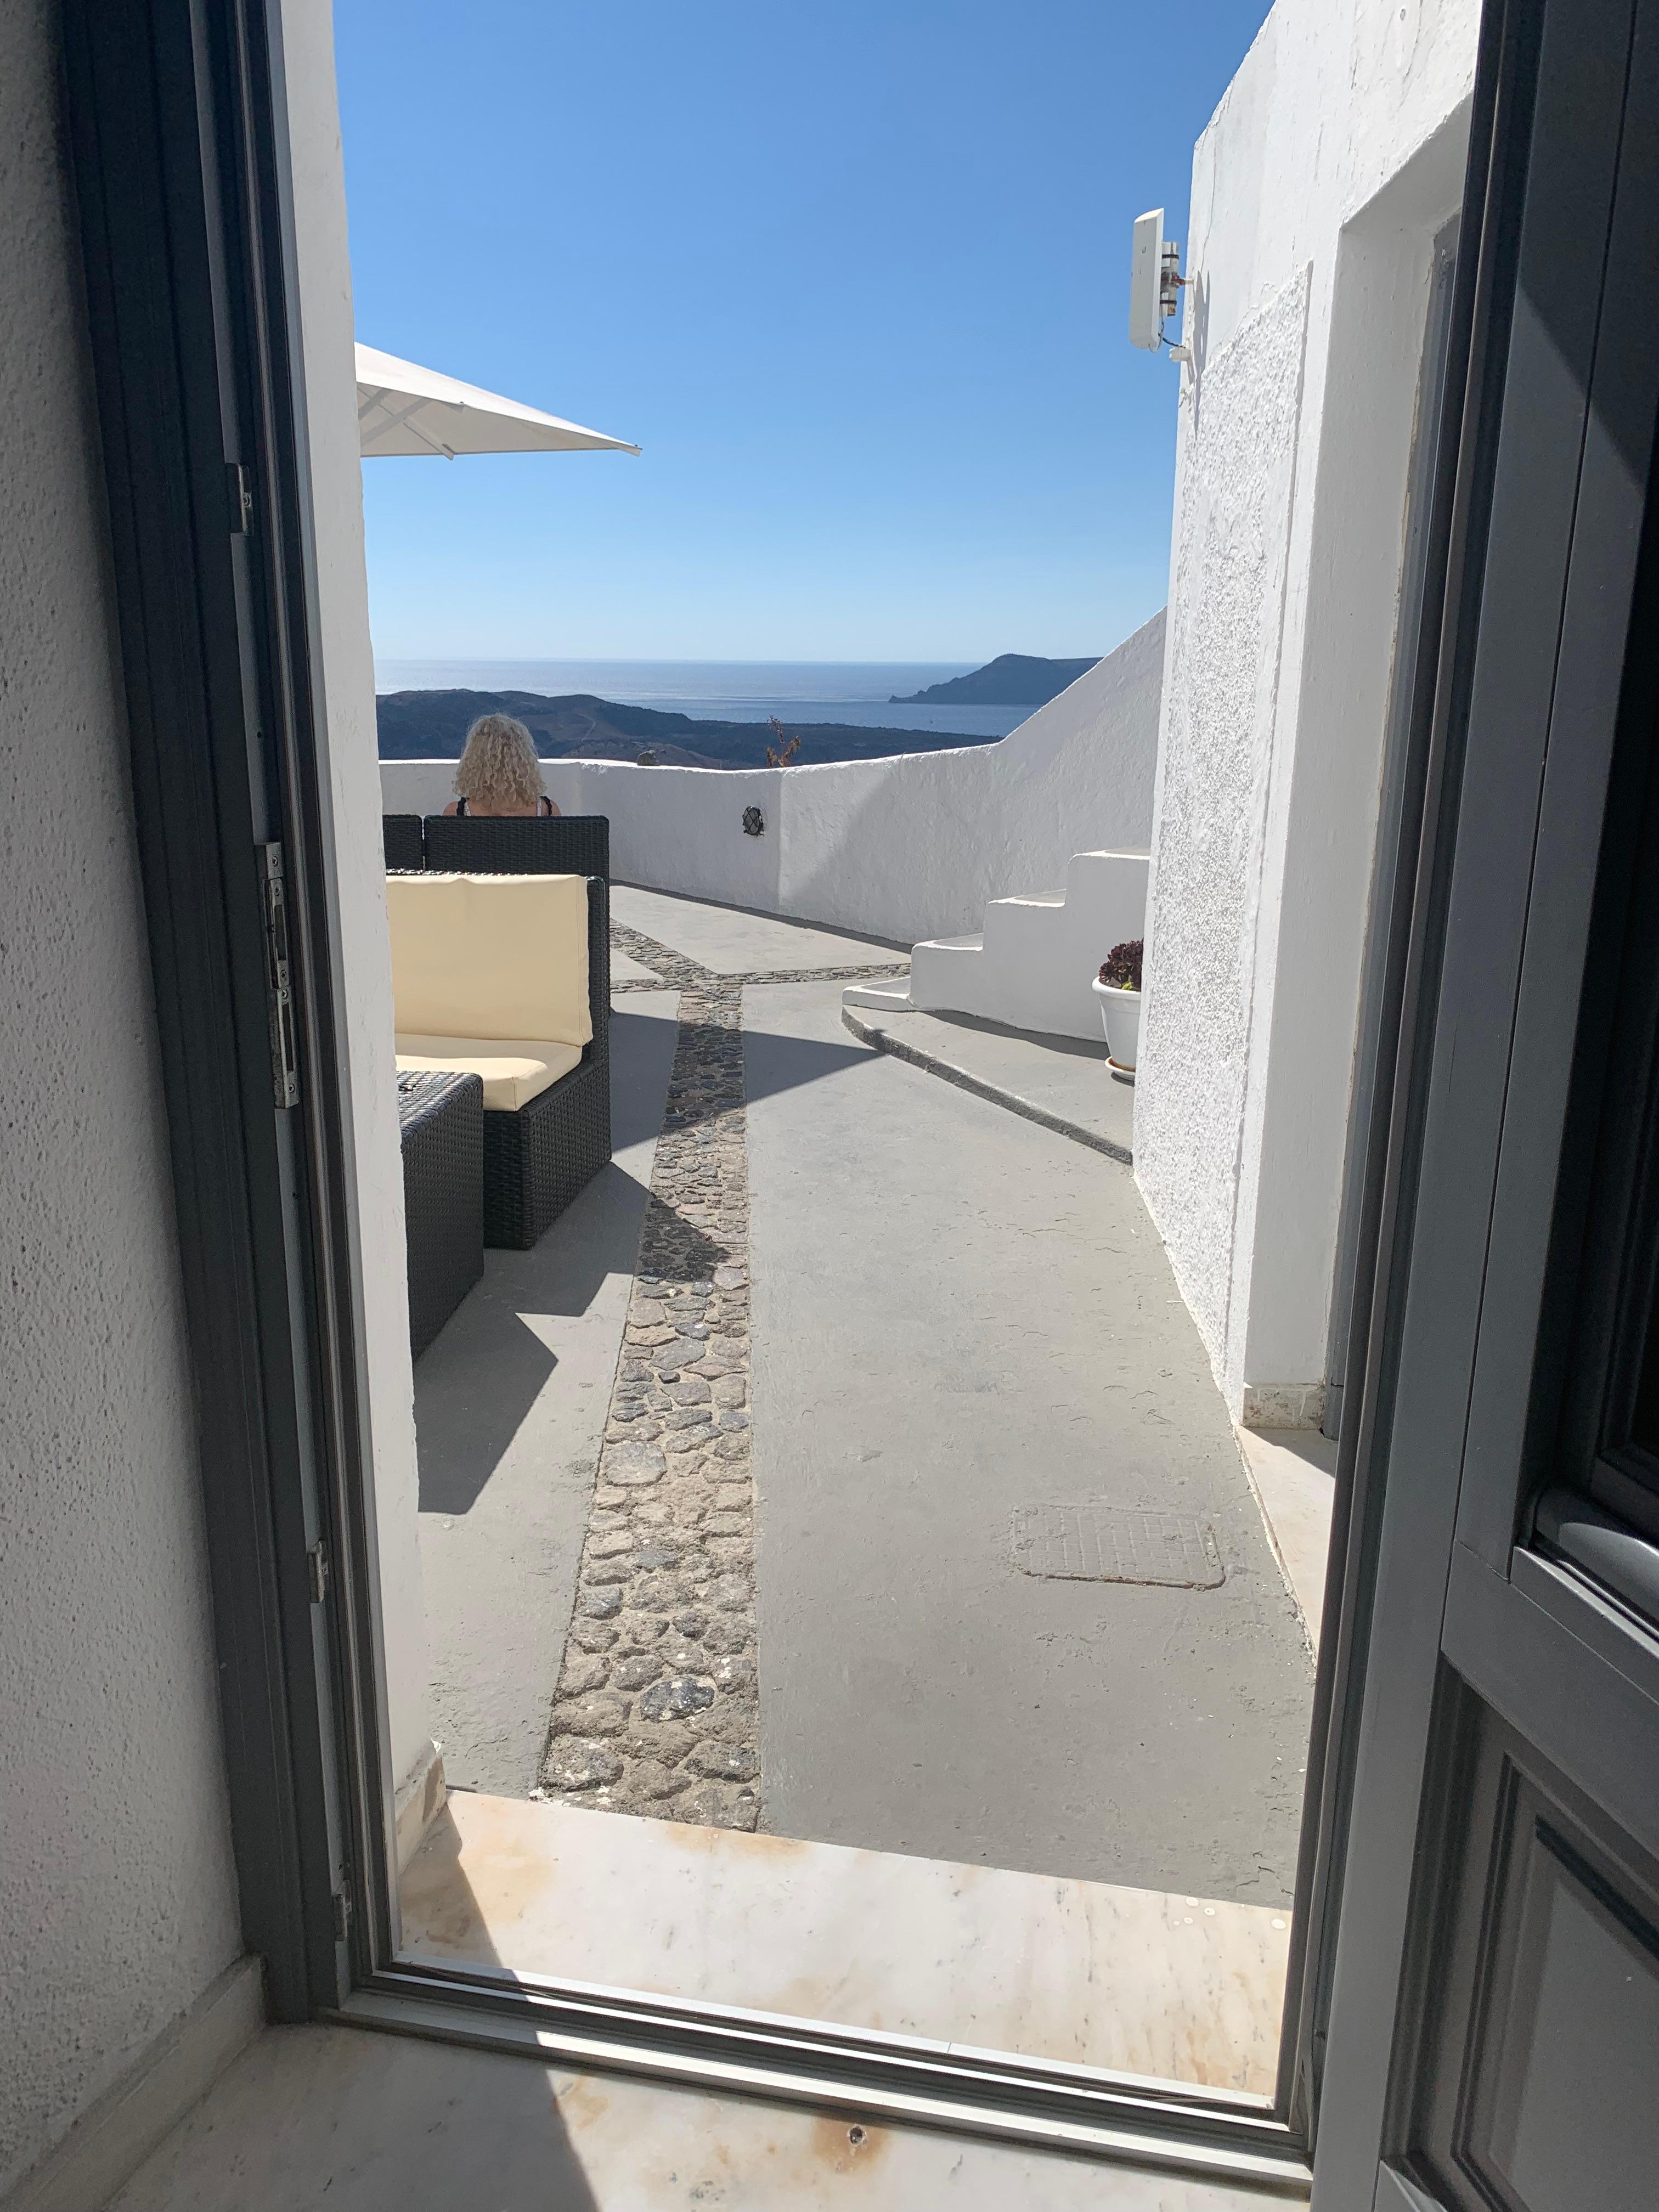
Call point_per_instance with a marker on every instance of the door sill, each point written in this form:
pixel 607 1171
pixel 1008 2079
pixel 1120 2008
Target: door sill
pixel 1150 2127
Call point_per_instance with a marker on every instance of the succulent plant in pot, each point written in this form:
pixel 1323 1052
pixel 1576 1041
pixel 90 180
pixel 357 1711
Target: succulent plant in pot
pixel 1117 987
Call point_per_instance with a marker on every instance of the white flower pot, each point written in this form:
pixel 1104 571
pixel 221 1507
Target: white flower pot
pixel 1120 1013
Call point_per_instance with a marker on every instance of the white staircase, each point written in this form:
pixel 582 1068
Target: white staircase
pixel 1031 965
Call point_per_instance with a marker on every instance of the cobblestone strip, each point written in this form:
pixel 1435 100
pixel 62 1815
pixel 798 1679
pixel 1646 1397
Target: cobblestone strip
pixel 780 976
pixel 674 968
pixel 658 1711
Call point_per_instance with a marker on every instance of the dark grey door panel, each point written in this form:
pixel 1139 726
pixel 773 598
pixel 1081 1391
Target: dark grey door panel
pixel 1563 2110
pixel 1541 2048
pixel 1596 1720
pixel 1612 416
pixel 1494 2029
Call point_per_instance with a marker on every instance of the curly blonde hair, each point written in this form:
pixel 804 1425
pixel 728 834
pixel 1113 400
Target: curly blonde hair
pixel 498 765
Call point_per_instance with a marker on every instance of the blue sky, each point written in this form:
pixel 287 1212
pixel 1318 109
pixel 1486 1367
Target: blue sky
pixel 853 274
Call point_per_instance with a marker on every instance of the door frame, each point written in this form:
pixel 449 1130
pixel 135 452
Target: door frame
pixel 175 113
pixel 1402 748
pixel 176 127
pixel 172 113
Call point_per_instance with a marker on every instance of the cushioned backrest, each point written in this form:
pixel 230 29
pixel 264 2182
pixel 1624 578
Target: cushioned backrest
pixel 490 956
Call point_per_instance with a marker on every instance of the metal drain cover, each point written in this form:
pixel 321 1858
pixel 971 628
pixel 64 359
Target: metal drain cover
pixel 1091 1543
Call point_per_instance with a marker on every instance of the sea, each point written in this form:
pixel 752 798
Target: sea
pixel 853 692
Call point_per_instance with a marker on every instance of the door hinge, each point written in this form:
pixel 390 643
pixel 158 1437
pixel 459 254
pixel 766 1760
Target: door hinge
pixel 239 486
pixel 342 1915
pixel 284 1059
pixel 317 1565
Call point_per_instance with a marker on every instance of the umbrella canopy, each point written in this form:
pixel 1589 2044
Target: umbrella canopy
pixel 404 409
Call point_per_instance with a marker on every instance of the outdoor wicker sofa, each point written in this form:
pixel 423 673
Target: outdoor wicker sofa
pixel 518 845
pixel 508 977
pixel 405 847
pixel 441 1121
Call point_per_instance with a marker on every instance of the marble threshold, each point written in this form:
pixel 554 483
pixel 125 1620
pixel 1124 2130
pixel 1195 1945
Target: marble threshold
pixel 1184 1989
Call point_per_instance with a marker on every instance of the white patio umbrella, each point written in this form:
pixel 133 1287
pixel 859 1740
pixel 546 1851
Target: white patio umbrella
pixel 404 409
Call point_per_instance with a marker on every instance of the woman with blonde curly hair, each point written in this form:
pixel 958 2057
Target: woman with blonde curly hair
pixel 498 772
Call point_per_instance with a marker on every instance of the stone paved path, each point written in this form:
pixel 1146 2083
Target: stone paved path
pixel 675 968
pixel 656 1711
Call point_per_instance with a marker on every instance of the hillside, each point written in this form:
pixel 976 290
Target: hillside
pixel 1012 679
pixel 432 724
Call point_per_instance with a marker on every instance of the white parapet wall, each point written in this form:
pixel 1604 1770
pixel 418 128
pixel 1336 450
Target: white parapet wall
pixel 904 848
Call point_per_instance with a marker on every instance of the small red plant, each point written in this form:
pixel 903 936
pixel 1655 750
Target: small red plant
pixel 1121 966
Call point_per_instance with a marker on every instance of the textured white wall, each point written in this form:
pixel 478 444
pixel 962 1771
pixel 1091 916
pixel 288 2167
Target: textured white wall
pixel 904 849
pixel 117 1901
pixel 1317 190
pixel 1237 480
pixel 347 676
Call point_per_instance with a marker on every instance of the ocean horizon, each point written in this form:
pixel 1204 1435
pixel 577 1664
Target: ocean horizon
pixel 854 692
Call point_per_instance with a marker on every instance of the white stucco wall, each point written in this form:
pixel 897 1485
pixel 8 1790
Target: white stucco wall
pixel 347 678
pixel 1318 188
pixel 904 848
pixel 117 1896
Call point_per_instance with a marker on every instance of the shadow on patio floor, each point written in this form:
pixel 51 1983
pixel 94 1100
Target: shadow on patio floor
pixel 476 1386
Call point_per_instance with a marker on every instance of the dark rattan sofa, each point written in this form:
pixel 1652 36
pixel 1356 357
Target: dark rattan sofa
pixel 440 1119
pixel 404 844
pixel 518 845
pixel 537 1155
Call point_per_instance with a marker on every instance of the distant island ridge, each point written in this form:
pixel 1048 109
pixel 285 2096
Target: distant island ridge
pixel 1012 679
pixel 432 724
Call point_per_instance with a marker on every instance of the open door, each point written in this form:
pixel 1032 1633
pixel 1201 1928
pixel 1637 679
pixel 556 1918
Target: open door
pixel 1490 2037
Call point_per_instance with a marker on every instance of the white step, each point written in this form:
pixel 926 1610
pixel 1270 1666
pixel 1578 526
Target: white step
pixel 945 973
pixel 1032 966
pixel 892 997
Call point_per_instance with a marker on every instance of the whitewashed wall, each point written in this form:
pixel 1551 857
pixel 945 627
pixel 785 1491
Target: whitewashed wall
pixel 904 849
pixel 118 1893
pixel 346 675
pixel 1318 188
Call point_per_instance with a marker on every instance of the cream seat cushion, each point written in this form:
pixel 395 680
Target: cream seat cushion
pixel 515 1070
pixel 502 958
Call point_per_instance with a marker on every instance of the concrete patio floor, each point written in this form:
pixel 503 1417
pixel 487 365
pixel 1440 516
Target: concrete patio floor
pixel 956 1314
pixel 1064 1080
pixel 732 941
